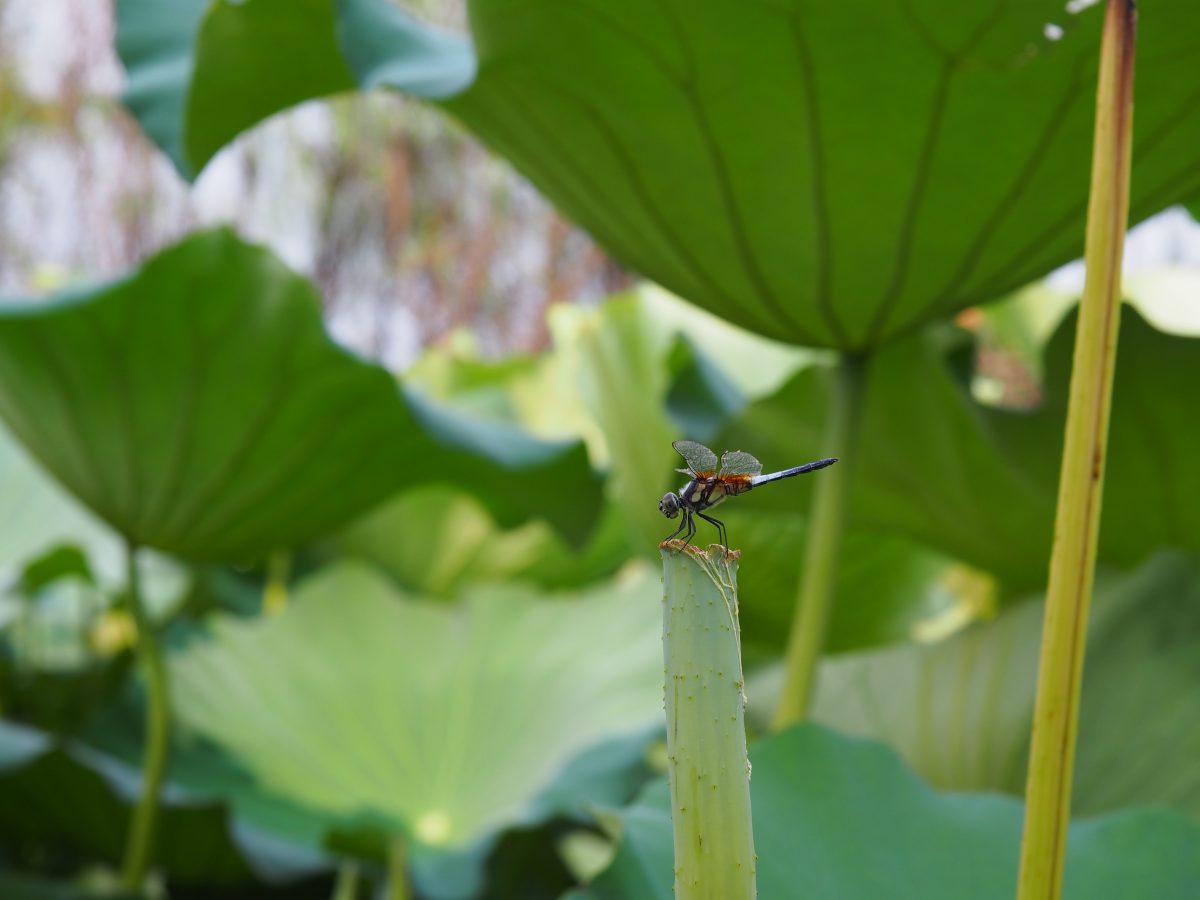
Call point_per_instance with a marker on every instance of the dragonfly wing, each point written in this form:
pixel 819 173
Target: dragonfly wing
pixel 739 462
pixel 701 460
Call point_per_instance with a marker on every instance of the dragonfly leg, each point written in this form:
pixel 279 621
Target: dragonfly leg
pixel 675 533
pixel 691 526
pixel 721 535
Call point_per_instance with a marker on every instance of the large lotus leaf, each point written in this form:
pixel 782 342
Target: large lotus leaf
pixel 65 792
pixel 200 408
pixel 733 153
pixel 959 711
pixel 446 723
pixel 979 483
pixel 839 817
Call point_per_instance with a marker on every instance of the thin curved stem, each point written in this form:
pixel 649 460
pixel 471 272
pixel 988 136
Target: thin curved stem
pixel 822 547
pixel 139 844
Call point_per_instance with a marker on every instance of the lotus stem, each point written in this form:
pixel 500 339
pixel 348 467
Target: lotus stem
pixel 139 844
pixel 1077 522
pixel 345 886
pixel 397 870
pixel 708 769
pixel 822 547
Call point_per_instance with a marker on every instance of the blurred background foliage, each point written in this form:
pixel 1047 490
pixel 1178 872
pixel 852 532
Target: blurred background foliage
pixel 406 594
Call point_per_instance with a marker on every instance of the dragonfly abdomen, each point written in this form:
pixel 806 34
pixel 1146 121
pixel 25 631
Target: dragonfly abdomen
pixel 788 473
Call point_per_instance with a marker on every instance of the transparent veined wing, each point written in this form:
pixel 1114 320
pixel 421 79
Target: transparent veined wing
pixel 701 460
pixel 739 462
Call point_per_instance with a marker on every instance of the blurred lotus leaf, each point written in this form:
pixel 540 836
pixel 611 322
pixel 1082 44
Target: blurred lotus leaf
pixel 840 817
pixel 67 792
pixel 446 724
pixel 200 408
pixel 959 711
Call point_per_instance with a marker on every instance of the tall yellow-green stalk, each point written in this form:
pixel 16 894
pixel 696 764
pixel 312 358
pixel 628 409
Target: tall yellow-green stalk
pixel 709 770
pixel 1077 525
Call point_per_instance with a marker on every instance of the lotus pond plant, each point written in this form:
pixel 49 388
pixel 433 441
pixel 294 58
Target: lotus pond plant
pixel 412 640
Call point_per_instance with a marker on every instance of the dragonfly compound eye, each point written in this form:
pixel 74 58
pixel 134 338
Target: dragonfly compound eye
pixel 669 505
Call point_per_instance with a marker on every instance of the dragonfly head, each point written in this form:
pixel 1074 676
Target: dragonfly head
pixel 670 505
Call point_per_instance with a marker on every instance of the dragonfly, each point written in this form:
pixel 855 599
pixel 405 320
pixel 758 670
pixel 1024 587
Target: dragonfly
pixel 712 481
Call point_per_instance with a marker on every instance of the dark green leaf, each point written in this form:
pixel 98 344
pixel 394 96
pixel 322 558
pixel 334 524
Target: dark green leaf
pixel 68 793
pixel 64 561
pixel 201 73
pixel 200 408
pixel 836 817
pixel 156 42
pixel 302 62
pixel 1152 484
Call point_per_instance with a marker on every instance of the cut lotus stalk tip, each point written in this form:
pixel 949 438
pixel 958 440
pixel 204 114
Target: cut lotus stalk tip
pixel 708 768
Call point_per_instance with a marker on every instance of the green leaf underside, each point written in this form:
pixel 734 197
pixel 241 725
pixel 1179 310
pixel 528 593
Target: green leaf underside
pixel 70 793
pixel 959 711
pixel 199 407
pixel 839 817
pixel 446 723
pixel 760 196
pixel 978 483
pixel 751 158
